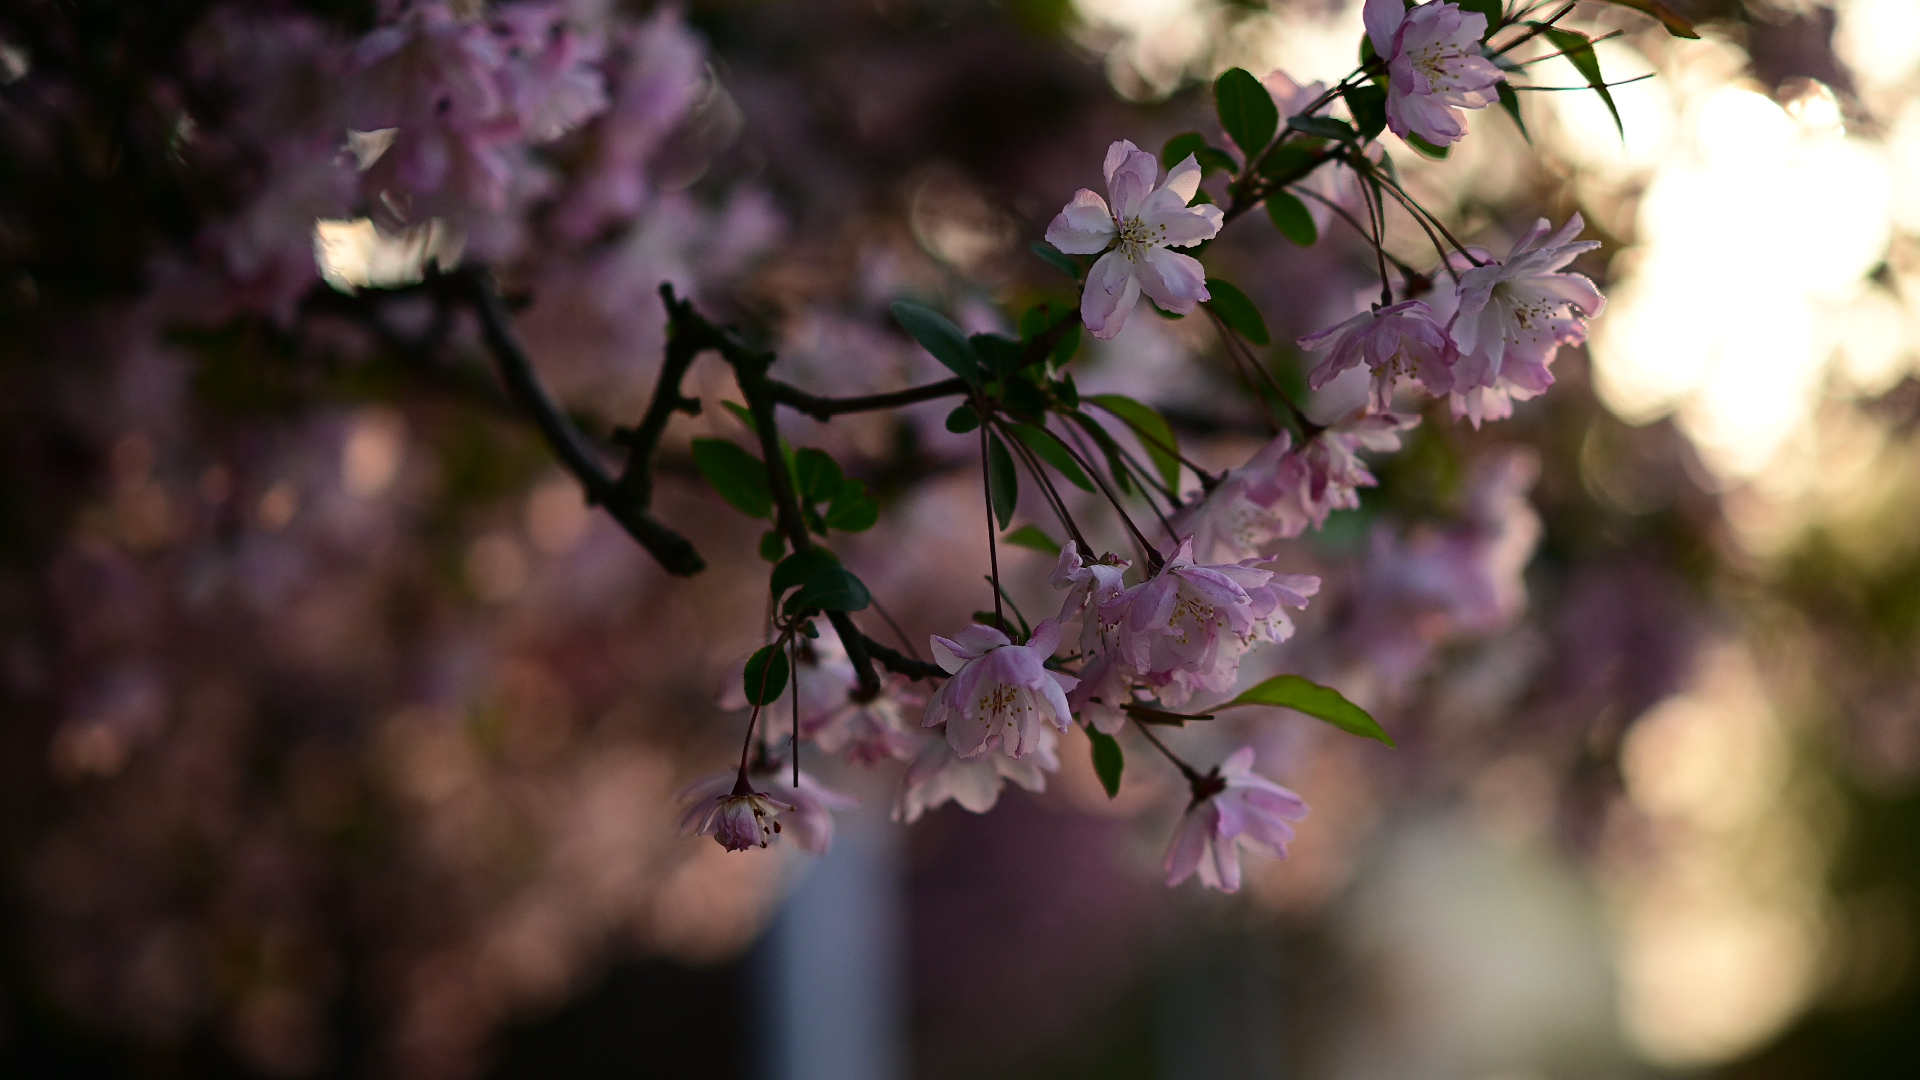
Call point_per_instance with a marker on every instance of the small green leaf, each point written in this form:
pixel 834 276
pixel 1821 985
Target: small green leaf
pixel 1056 258
pixel 1675 25
pixel 1065 392
pixel 852 509
pixel 1291 217
pixel 1027 536
pixel 1293 160
pixel 1246 110
pixel 1107 761
pixel 1510 101
pixel 831 588
pixel 1002 481
pixel 1156 437
pixel 1492 9
pixel 998 356
pixel 962 419
pixel 1580 54
pixel 939 336
pixel 1237 311
pixel 772 545
pixel 1326 127
pixel 741 413
pixel 737 475
pixel 1319 702
pixel 1368 104
pixel 796 568
pixel 1051 450
pixel 819 475
pixel 766 675
pixel 1068 344
pixel 1427 149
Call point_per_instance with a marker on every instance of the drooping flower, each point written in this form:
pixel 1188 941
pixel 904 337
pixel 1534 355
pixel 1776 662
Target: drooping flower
pixel 1000 694
pixel 938 774
pixel 1509 317
pixel 1141 223
pixel 1243 809
pixel 1089 587
pixel 1400 341
pixel 1192 623
pixel 1434 66
pixel 748 817
pixel 1243 513
pixel 1105 691
pixel 1326 473
pixel 724 806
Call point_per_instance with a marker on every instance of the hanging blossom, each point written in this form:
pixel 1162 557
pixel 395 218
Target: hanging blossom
pixel 999 694
pixel 1140 224
pixel 1105 691
pixel 1089 586
pixel 1233 808
pixel 1509 317
pixel 747 812
pixel 939 775
pixel 1401 341
pixel 1186 628
pixel 1434 66
pixel 1326 474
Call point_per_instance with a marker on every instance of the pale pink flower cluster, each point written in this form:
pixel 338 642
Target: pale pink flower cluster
pixel 1434 66
pixel 1484 343
pixel 1140 222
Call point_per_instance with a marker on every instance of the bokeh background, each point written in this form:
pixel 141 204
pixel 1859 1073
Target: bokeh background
pixel 339 737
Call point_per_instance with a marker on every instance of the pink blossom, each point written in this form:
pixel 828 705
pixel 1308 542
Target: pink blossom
pixel 1192 623
pixel 1244 512
pixel 1326 473
pixel 833 714
pixel 1509 317
pixel 717 806
pixel 740 819
pixel 1089 586
pixel 1434 66
pixel 938 774
pixel 1141 224
pixel 1000 694
pixel 1245 810
pixel 1105 690
pixel 550 81
pixel 1400 341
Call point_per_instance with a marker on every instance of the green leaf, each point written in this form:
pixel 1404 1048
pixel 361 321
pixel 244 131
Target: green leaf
pixel 1292 160
pixel 1675 25
pixel 742 414
pixel 795 569
pixel 1180 146
pixel 766 675
pixel 831 588
pixel 1051 450
pixel 1326 127
pixel 1068 345
pixel 772 545
pixel 1580 54
pixel 1002 481
pixel 1065 392
pixel 1156 437
pixel 1027 536
pixel 1492 9
pixel 1056 258
pixel 852 509
pixel 998 356
pixel 738 476
pixel 819 475
pixel 937 334
pixel 1115 464
pixel 1107 761
pixel 1319 702
pixel 1246 110
pixel 1292 218
pixel 1427 149
pixel 1510 101
pixel 1368 104
pixel 1237 311
pixel 962 419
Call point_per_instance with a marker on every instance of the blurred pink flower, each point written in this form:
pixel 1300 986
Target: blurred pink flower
pixel 1243 512
pixel 549 80
pixel 1434 66
pixel 1509 318
pixel 1326 473
pixel 1246 810
pixel 1142 222
pixel 1400 341
pixel 717 807
pixel 1105 690
pixel 1089 586
pixel 938 774
pixel 1000 694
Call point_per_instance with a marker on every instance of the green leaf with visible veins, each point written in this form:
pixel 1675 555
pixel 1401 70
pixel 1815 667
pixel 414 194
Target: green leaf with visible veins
pixel 1319 702
pixel 1246 110
pixel 1156 437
